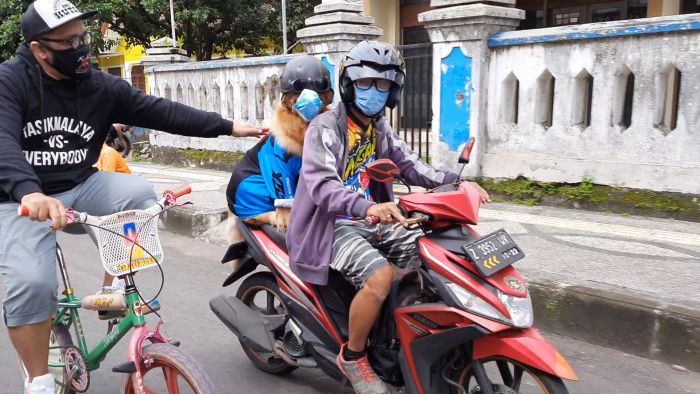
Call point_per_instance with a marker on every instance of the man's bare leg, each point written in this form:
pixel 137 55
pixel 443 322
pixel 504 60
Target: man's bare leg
pixel 366 305
pixel 32 344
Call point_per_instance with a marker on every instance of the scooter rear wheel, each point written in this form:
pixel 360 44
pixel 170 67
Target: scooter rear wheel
pixel 261 293
pixel 509 377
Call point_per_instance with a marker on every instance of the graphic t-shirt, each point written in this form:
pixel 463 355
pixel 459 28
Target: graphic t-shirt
pixel 362 144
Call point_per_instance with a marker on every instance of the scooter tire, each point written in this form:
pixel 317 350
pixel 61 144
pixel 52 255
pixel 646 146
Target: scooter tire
pixel 548 383
pixel 251 286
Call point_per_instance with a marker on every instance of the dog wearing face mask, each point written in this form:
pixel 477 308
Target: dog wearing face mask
pixel 262 185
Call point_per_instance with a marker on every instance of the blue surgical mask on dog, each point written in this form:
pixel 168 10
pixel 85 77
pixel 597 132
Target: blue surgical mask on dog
pixel 370 101
pixel 308 104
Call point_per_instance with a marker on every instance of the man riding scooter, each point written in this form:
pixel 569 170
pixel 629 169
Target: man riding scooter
pixel 334 188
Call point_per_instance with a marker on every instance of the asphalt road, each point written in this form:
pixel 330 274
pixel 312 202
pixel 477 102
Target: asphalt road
pixel 193 276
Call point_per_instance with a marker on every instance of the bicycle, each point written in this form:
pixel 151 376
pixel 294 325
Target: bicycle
pixel 128 242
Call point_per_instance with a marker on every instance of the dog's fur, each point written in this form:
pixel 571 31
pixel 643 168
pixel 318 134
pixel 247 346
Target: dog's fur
pixel 289 129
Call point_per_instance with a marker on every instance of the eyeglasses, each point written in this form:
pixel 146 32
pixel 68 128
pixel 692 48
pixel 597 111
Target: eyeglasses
pixel 318 85
pixel 74 42
pixel 383 85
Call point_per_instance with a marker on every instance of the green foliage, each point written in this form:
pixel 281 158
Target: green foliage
pixel 10 37
pixel 203 26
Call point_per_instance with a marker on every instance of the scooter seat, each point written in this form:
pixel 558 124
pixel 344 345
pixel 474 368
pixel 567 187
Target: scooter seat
pixel 280 237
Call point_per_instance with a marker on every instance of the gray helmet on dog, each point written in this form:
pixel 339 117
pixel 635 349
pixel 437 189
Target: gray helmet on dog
pixel 372 59
pixel 305 72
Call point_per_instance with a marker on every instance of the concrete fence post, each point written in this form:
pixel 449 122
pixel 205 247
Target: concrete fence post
pixel 334 29
pixel 459 31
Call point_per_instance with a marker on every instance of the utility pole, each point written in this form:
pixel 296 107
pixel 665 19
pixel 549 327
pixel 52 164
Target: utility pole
pixel 284 26
pixel 172 24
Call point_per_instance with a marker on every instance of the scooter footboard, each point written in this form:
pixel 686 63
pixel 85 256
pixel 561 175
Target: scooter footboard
pixel 527 347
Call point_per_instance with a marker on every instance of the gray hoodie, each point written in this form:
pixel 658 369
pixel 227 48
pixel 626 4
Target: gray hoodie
pixel 321 195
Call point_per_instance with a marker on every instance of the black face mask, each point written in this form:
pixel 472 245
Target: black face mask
pixel 73 63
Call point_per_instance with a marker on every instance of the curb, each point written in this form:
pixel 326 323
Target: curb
pixel 192 221
pixel 639 326
pixel 634 325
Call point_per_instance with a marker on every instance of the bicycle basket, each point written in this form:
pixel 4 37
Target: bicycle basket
pixel 128 238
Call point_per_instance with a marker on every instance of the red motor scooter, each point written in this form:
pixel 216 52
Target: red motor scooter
pixel 460 323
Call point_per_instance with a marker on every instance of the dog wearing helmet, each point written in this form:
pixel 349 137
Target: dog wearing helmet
pixel 263 183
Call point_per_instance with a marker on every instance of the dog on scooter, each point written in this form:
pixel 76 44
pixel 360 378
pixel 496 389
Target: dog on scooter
pixel 289 129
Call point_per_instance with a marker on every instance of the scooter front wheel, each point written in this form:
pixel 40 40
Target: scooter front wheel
pixel 261 294
pixel 507 377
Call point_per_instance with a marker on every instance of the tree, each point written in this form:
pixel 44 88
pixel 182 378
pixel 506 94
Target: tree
pixel 10 38
pixel 297 12
pixel 203 26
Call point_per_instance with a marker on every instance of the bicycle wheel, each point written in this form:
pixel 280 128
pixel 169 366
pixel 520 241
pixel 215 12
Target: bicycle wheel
pixel 59 339
pixel 171 371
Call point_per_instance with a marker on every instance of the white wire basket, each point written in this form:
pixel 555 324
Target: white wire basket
pixel 128 242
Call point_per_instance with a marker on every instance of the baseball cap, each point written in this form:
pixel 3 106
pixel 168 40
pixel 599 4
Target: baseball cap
pixel 42 16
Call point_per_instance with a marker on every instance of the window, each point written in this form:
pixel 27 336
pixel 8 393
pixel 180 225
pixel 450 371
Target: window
pixel 637 9
pixel 116 71
pixel 138 79
pixel 179 96
pixel 583 99
pixel 606 14
pixel 245 111
pixel 203 101
pixel 229 101
pixel 216 98
pixel 544 99
pixel 510 92
pixel 259 102
pixel 534 19
pixel 668 90
pixel 690 6
pixel 168 92
pixel 191 97
pixel 624 98
pixel 568 16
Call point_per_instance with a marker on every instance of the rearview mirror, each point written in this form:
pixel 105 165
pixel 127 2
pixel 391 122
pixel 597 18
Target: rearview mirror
pixel 382 170
pixel 466 152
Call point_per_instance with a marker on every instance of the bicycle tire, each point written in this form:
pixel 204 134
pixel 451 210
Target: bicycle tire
pixel 165 355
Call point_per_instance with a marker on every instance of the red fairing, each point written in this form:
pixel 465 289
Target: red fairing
pixel 446 208
pixel 292 285
pixel 526 346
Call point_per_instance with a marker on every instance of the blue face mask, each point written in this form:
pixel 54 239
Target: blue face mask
pixel 370 101
pixel 308 104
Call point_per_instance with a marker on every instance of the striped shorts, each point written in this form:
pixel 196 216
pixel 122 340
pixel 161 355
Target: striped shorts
pixel 360 249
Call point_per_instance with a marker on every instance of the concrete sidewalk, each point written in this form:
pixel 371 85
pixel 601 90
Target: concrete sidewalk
pixel 629 283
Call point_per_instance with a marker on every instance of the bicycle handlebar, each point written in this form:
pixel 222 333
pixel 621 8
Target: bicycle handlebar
pixel 169 198
pixel 173 195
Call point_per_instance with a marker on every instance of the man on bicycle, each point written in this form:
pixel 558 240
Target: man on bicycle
pixel 54 115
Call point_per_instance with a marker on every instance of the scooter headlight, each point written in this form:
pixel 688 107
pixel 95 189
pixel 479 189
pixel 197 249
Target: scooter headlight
pixel 519 308
pixel 476 305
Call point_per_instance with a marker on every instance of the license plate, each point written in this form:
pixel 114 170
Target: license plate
pixel 493 252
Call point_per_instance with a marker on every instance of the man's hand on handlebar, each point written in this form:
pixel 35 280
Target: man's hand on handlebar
pixel 482 193
pixel 244 130
pixel 42 207
pixel 387 213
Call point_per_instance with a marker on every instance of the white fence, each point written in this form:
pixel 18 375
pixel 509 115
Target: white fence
pixel 245 90
pixel 618 102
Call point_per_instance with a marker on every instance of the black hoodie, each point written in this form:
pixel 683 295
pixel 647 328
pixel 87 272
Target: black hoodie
pixel 51 132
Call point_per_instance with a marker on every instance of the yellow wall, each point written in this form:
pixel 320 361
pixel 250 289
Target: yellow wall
pixel 387 15
pixel 663 7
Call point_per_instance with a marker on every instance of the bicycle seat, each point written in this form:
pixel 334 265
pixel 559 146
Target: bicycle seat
pixel 280 237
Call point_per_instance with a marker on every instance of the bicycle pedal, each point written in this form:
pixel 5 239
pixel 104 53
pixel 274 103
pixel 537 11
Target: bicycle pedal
pixel 127 367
